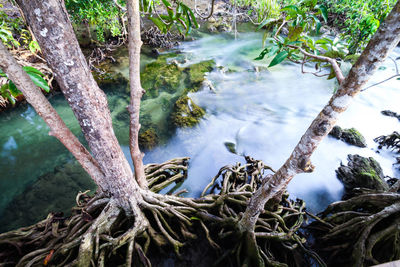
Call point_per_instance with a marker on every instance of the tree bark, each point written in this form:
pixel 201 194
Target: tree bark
pixel 58 129
pixel 135 44
pixel 381 44
pixel 50 24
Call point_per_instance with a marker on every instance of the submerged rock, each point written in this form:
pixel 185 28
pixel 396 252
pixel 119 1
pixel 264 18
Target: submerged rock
pixel 197 72
pixel 362 173
pixel 148 139
pixel 350 136
pixel 231 147
pixel 159 75
pixel 186 112
pixel 52 192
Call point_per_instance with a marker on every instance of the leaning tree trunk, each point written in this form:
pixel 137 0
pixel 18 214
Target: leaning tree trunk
pixel 381 44
pixel 135 44
pixel 42 106
pixel 51 26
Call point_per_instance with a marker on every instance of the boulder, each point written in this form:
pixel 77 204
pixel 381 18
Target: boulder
pixel 186 113
pixel 350 136
pixel 362 172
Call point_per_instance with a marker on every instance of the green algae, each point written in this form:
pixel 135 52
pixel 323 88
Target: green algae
pixel 148 139
pixel 186 113
pixel 196 72
pixel 161 76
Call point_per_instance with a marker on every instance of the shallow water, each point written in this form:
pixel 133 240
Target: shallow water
pixel 263 112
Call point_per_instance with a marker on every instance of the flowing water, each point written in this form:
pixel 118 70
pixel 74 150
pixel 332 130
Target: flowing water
pixel 263 112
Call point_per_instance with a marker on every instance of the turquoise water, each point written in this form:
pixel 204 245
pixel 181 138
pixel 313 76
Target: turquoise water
pixel 262 111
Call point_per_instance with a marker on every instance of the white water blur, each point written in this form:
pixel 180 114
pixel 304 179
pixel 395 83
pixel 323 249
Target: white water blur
pixel 265 113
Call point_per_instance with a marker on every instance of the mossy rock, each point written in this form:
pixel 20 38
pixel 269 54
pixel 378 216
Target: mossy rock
pixel 159 75
pixel 197 72
pixel 52 192
pixel 362 172
pixel 110 79
pixel 350 136
pixel 186 113
pixel 148 139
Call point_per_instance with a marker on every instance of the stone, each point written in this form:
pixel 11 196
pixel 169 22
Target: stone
pixel 350 136
pixel 362 172
pixel 186 113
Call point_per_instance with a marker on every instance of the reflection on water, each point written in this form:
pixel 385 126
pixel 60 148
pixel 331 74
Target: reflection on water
pixel 263 112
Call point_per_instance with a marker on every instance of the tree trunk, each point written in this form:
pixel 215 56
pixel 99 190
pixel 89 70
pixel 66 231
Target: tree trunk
pixel 381 44
pixel 42 106
pixel 135 44
pixel 50 24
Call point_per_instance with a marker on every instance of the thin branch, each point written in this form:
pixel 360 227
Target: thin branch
pixel 391 77
pixel 338 73
pixel 198 12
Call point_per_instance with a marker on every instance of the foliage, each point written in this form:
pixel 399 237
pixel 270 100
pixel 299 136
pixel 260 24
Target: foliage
pixel 10 91
pixel 107 16
pixel 301 20
pixel 104 15
pixel 14 34
pixel 179 15
pixel 263 9
pixel 359 19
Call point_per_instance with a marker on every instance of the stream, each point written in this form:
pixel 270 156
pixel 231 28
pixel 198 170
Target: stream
pixel 263 112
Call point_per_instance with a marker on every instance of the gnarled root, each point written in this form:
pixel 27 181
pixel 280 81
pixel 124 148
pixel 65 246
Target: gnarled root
pixel 101 234
pixel 360 231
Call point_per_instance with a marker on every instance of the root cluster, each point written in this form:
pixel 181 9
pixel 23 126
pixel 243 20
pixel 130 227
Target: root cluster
pixel 361 231
pixel 391 141
pixel 100 234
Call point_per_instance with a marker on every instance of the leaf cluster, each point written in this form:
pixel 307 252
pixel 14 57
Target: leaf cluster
pixel 10 91
pixel 178 14
pixel 104 15
pixel 359 19
pixel 302 19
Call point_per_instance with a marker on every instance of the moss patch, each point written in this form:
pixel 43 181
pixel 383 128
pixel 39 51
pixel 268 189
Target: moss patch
pixel 159 75
pixel 186 113
pixel 350 136
pixel 148 139
pixel 197 72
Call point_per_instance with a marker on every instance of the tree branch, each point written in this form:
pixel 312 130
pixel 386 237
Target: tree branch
pixel 137 91
pixel 42 106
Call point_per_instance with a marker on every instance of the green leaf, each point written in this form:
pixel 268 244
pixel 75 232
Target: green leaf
pixel 195 218
pixel 160 25
pixel 324 12
pixel 39 81
pixel 332 74
pixel 262 54
pixel 29 69
pixel 278 58
pixel 13 89
pixel 194 21
pixel 4 90
pixel 166 3
pixel 2 74
pixel 265 22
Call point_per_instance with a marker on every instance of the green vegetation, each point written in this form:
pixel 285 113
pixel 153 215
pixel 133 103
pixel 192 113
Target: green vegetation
pixel 358 19
pixel 148 139
pixel 9 91
pixel 196 72
pixel 104 15
pixel 186 113
pixel 263 9
pixel 159 75
pixel 303 22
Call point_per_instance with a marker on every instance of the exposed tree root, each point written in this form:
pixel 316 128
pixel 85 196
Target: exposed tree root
pixel 391 141
pixel 360 231
pixel 100 234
